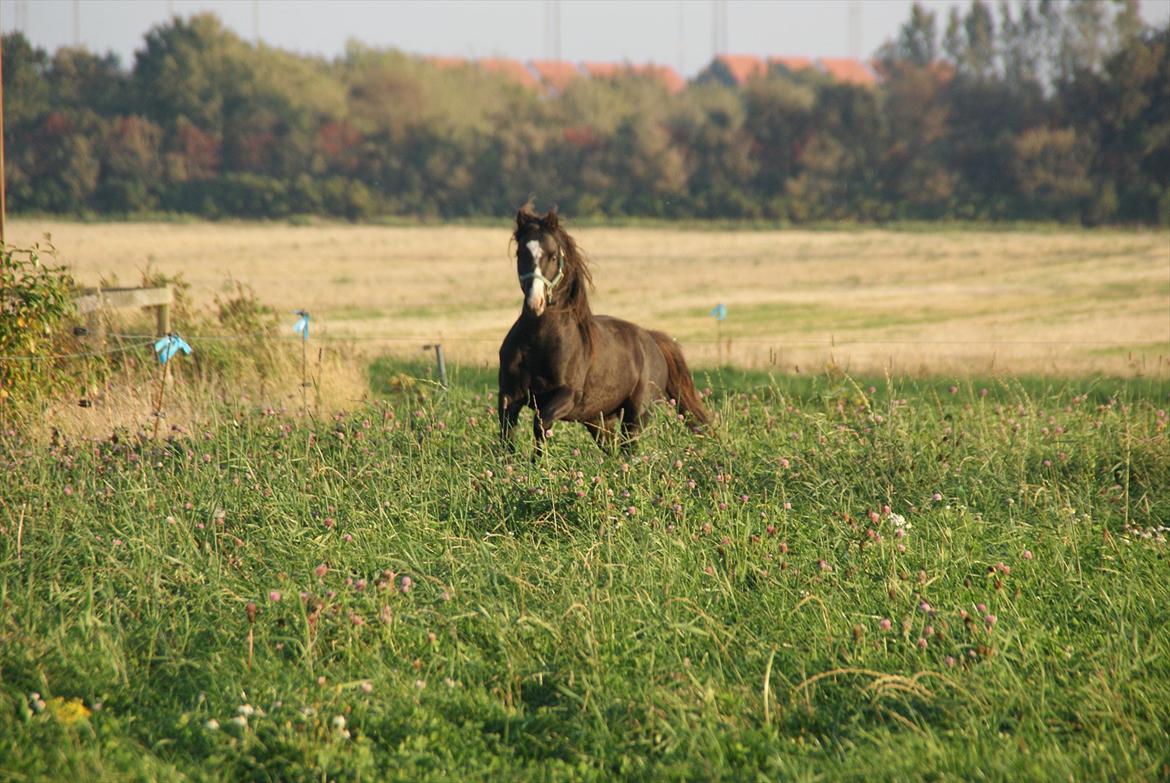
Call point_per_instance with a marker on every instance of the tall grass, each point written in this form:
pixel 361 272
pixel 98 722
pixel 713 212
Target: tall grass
pixel 735 606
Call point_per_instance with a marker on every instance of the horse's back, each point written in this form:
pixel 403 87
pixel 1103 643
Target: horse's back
pixel 651 367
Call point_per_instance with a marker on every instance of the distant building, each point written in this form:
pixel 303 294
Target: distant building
pixel 668 76
pixel 845 70
pixel 513 70
pixel 734 70
pixel 555 75
pixel 791 64
pixel 596 70
pixel 448 62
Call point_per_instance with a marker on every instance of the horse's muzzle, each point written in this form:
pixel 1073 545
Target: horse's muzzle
pixel 535 299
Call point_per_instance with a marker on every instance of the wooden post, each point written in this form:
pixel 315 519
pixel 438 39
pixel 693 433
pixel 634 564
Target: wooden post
pixel 93 302
pixel 719 340
pixel 3 205
pixel 440 362
pixel 163 312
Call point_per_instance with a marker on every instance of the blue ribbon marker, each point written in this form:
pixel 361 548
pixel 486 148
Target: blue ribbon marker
pixel 169 346
pixel 719 311
pixel 301 327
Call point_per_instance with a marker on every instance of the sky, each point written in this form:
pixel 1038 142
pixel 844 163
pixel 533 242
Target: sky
pixel 680 33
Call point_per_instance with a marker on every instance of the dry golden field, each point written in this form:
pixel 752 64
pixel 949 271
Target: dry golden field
pixel 955 302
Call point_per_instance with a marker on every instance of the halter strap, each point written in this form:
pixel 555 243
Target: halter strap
pixel 535 274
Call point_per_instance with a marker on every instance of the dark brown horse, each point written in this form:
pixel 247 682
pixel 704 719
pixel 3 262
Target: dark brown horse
pixel 568 364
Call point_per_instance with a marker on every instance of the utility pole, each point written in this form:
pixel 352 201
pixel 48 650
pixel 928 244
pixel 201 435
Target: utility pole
pixel 557 30
pixel 855 29
pixel 552 29
pixel 714 29
pixel 718 28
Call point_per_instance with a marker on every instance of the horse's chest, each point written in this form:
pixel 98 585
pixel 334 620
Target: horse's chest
pixel 543 357
pixel 544 370
pixel 543 366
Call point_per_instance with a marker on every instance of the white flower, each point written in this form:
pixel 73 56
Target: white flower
pixel 339 722
pixel 240 721
pixel 900 521
pixel 247 710
pixel 212 725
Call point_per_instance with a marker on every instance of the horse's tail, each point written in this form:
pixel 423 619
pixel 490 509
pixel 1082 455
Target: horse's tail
pixel 679 383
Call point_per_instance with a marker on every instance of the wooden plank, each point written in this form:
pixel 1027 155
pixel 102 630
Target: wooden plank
pixel 122 298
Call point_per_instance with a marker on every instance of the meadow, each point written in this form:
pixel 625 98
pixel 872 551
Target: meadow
pixel 905 551
pixel 848 579
pixel 929 301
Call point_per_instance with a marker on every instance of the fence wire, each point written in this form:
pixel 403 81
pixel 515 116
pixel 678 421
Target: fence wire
pixel 138 340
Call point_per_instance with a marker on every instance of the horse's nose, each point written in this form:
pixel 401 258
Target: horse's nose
pixel 535 298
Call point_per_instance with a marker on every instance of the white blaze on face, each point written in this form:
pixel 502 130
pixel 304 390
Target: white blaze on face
pixel 536 291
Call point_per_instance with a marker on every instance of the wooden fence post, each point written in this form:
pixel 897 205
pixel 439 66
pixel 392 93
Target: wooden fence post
pixel 93 301
pixel 164 314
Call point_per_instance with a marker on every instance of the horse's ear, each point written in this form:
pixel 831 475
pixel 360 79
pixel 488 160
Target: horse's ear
pixel 525 215
pixel 551 221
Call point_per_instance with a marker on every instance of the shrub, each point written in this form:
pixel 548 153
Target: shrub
pixel 35 297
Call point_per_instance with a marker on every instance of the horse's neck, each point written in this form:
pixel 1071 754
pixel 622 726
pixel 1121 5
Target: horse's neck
pixel 564 321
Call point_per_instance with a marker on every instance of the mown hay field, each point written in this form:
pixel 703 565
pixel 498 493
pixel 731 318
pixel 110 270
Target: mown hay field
pixel 1042 302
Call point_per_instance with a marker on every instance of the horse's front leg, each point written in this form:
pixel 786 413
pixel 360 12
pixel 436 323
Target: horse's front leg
pixel 509 413
pixel 549 407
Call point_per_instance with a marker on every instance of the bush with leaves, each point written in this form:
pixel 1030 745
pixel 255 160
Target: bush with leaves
pixel 36 296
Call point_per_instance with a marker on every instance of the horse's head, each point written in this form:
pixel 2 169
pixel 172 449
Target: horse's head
pixel 540 257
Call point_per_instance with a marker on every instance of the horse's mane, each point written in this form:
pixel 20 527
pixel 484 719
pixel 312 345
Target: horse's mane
pixel 578 278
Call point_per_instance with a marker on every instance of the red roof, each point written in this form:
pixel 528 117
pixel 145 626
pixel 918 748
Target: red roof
pixel 663 73
pixel 447 62
pixel 604 70
pixel 555 74
pixel 848 71
pixel 793 64
pixel 742 67
pixel 512 70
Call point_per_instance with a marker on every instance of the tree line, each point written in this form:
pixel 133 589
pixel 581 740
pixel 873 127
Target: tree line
pixel 1049 110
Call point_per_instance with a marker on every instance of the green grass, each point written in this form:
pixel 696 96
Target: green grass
pixel 552 633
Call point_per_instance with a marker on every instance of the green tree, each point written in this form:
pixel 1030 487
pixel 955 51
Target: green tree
pixel 189 69
pixel 78 79
pixel 1050 171
pixel 132 167
pixel 779 122
pixel 63 164
pixel 1022 44
pixel 979 55
pixel 1124 113
pixel 718 153
pixel 842 165
pixel 918 175
pixel 917 41
pixel 26 102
